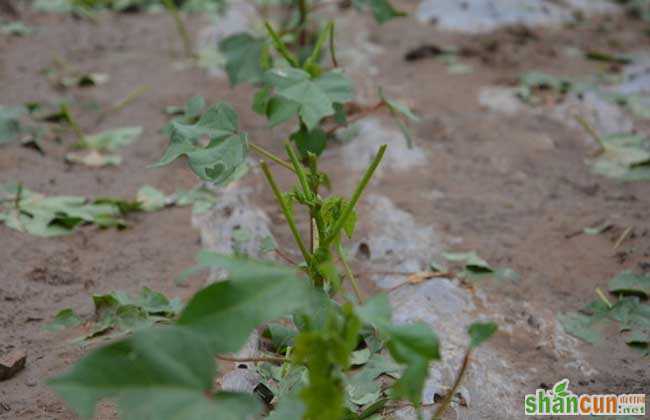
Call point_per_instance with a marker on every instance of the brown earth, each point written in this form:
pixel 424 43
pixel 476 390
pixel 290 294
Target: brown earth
pixel 514 188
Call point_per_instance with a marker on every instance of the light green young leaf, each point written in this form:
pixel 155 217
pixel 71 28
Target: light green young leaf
pixel 51 216
pixel 150 198
pixel 66 318
pixel 625 157
pixel 111 140
pixel 479 332
pixel 472 261
pixel 94 159
pixel 153 374
pixel 16 28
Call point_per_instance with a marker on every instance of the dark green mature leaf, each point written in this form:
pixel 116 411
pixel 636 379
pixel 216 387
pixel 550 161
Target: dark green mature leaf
pixel 309 141
pixel 226 152
pixel 244 54
pixel 479 332
pixel 414 345
pixel 382 10
pixel 226 312
pixel 157 374
pixel 627 283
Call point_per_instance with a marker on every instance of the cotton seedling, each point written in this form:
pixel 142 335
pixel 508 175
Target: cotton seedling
pixel 334 355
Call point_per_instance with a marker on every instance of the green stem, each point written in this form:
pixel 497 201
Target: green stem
pixel 350 274
pixel 73 124
pixel 298 169
pixel 332 49
pixel 303 11
pixel 450 395
pixel 180 27
pixel 355 197
pixel 287 212
pixel 271 156
pixel 281 47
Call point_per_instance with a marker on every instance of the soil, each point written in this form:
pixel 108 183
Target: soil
pixel 514 188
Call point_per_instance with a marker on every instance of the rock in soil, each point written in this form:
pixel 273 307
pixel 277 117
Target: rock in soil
pixel 12 363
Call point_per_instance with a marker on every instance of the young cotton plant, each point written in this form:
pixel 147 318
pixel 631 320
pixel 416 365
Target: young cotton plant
pixel 329 354
pixel 248 55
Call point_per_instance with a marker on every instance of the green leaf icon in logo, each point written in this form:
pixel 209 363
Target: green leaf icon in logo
pixel 560 388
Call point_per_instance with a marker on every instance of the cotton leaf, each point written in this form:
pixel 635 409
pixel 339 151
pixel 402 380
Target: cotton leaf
pixel 159 373
pixel 226 312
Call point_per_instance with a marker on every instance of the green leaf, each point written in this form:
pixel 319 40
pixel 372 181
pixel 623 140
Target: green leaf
pixel 362 388
pixel 111 140
pixel 10 127
pixel 66 318
pixel 243 53
pixel 326 352
pixel 153 374
pixel 226 312
pixel 226 152
pixel 625 157
pixel 315 97
pixel 16 28
pixel 51 216
pixel 560 389
pixel 580 326
pixel 479 332
pixel 281 336
pixel 194 107
pixel 473 263
pixel 279 110
pixel 414 345
pixel 382 10
pixel 309 141
pixel 150 198
pixel 289 408
pixel 628 283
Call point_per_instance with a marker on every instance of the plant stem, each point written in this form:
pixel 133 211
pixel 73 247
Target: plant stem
pixel 298 169
pixel 271 156
pixel 445 403
pixel 592 131
pixel 361 186
pixel 130 97
pixel 286 210
pixel 180 27
pixel 303 11
pixel 73 123
pixel 332 49
pixel 270 359
pixel 350 274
